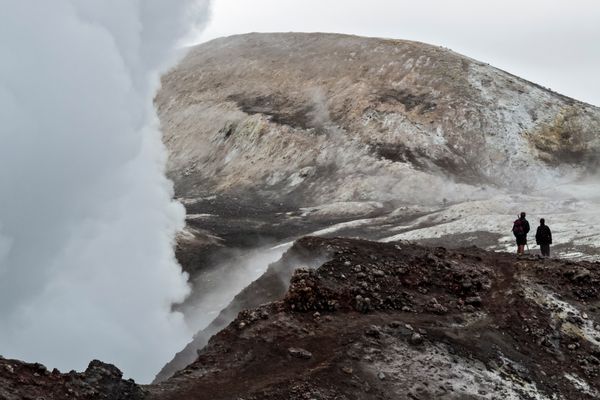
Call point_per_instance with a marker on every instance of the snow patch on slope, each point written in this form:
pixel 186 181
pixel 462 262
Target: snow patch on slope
pixel 573 220
pixel 433 372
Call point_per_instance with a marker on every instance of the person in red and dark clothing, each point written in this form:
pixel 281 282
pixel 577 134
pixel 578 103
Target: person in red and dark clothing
pixel 520 230
pixel 543 238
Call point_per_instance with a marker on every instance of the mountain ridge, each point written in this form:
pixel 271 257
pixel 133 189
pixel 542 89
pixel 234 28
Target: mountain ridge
pixel 310 84
pixel 417 42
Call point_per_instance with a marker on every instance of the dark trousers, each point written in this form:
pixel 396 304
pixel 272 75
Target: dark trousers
pixel 545 250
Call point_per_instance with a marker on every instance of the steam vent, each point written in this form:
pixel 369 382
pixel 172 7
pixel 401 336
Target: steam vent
pixel 348 233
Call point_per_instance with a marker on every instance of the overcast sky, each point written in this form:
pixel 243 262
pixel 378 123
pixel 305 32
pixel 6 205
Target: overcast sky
pixel 552 42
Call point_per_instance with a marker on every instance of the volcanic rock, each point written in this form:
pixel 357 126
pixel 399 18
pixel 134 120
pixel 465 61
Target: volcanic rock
pixel 526 338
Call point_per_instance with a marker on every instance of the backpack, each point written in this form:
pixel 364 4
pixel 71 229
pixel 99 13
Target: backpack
pixel 518 228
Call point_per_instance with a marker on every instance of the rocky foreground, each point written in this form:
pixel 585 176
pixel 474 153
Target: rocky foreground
pixel 399 321
pixel 22 381
pixel 381 321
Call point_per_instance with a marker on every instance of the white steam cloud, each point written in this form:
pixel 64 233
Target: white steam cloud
pixel 87 268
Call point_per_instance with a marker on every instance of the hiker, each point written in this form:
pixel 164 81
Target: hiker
pixel 520 230
pixel 543 237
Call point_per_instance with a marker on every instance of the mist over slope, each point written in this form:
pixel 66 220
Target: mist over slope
pixel 319 118
pixel 275 136
pixel 290 133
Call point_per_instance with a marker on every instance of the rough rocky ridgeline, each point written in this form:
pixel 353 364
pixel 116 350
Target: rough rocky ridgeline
pixel 380 321
pixel 400 321
pixel 100 381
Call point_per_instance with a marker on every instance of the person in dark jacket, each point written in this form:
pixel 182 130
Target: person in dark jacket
pixel 543 237
pixel 520 230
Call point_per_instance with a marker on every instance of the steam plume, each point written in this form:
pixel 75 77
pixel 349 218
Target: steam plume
pixel 86 218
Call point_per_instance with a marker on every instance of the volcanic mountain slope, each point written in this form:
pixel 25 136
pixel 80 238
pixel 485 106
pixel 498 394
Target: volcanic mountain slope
pixel 276 136
pixel 399 321
pixel 271 286
pixel 313 119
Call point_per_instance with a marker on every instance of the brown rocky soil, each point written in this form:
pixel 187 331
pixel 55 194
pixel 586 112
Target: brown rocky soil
pixel 380 321
pixel 22 381
pixel 399 321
